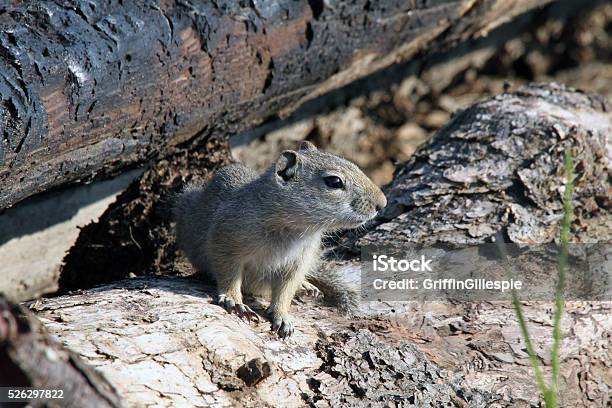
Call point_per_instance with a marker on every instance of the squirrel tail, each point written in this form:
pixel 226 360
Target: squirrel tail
pixel 337 287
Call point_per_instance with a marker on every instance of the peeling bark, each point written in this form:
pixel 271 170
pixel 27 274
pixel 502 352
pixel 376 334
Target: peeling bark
pixel 497 166
pixel 29 357
pixel 87 88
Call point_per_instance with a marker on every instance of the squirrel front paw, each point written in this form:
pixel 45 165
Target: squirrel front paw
pixel 281 324
pixel 242 310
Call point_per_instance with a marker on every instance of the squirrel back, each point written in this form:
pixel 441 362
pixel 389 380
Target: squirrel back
pixel 194 209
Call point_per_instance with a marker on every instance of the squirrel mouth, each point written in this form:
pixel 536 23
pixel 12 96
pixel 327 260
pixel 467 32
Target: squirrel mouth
pixel 355 220
pixel 361 220
pixel 371 216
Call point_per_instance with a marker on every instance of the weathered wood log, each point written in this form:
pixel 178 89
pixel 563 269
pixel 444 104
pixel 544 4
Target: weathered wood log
pixel 161 340
pixel 498 166
pixel 87 88
pixel 29 357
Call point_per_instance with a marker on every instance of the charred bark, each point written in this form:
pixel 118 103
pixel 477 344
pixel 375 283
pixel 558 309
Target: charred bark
pixel 87 88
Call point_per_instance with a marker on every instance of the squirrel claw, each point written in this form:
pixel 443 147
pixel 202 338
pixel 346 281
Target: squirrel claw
pixel 282 327
pixel 241 310
pixel 310 290
pixel 225 302
pixel 245 312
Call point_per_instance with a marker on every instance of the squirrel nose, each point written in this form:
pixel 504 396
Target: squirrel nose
pixel 381 201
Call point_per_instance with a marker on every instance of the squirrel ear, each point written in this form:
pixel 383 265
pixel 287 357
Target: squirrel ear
pixel 306 145
pixel 287 165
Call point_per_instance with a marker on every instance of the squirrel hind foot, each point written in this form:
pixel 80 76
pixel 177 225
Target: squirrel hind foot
pixel 308 289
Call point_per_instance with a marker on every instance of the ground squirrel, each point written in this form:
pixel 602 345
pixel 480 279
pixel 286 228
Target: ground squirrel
pixel 261 234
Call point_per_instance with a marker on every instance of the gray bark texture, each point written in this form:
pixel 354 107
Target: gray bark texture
pixel 90 87
pixel 497 166
pixel 30 358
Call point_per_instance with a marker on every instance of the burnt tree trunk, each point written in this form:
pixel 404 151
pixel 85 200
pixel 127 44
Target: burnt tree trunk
pixel 496 167
pixel 89 87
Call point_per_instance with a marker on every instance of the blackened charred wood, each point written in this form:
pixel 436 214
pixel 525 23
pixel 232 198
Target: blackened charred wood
pixel 89 87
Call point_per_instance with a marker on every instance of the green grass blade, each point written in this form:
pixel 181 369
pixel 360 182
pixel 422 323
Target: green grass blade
pixel 551 393
pixel 562 270
pixel 518 310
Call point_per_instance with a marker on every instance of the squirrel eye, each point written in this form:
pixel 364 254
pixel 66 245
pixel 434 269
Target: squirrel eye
pixel 333 182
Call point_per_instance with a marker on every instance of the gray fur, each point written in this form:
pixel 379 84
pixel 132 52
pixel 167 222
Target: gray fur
pixel 261 234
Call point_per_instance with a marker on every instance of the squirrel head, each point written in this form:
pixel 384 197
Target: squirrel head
pixel 324 190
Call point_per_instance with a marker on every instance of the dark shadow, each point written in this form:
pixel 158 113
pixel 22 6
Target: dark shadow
pixel 45 210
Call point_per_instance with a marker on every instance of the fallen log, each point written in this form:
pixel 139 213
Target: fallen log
pixel 498 166
pixel 87 88
pixel 29 357
pixel 161 340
